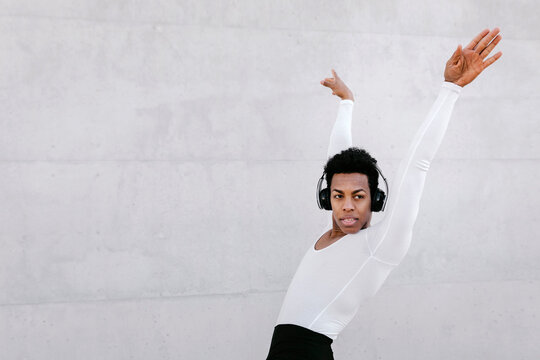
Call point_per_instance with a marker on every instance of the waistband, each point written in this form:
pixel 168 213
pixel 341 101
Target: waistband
pixel 291 331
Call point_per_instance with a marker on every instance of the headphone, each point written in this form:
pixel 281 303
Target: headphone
pixel 378 200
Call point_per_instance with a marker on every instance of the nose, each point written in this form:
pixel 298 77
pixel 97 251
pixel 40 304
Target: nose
pixel 348 204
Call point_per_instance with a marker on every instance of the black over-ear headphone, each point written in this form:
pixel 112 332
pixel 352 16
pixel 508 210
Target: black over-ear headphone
pixel 378 200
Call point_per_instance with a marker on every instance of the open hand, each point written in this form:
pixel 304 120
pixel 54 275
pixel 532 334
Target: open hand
pixel 466 64
pixel 338 87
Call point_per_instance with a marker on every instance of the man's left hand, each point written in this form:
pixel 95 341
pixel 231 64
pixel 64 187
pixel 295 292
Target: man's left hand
pixel 466 64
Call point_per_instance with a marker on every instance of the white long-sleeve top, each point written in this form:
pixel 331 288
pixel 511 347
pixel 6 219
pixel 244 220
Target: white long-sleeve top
pixel 330 284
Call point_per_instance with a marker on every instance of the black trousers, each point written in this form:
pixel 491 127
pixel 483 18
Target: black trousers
pixel 294 342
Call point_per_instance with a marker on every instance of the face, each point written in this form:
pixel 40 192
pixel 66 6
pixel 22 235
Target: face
pixel 351 202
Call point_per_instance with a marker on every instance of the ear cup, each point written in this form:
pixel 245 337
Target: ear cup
pixel 323 196
pixel 324 199
pixel 377 201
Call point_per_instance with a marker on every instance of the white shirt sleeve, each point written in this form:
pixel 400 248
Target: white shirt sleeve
pixel 341 138
pixel 390 239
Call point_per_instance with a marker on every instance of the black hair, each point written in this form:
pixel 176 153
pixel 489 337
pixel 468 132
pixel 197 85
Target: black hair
pixel 353 160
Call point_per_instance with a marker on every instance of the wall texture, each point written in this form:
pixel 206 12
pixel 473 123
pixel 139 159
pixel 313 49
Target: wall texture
pixel 158 165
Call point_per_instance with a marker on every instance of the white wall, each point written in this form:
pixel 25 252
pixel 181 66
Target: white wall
pixel 158 166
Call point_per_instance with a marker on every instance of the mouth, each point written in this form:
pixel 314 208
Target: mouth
pixel 349 221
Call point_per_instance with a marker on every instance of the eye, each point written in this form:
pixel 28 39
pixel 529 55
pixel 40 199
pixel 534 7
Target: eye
pixel 338 196
pixel 360 196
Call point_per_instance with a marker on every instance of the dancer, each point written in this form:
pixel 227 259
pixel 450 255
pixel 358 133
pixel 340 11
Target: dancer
pixel 351 259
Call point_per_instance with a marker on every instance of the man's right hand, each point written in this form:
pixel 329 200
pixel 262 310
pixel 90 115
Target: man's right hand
pixel 338 87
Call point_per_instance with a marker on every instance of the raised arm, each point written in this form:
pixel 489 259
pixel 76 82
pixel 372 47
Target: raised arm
pixel 390 239
pixel 340 137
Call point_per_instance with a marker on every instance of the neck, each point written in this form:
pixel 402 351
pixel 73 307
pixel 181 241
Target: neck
pixel 336 232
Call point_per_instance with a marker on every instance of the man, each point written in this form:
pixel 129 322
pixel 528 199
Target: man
pixel 351 260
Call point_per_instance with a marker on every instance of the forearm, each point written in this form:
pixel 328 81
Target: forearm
pixel 394 233
pixel 341 137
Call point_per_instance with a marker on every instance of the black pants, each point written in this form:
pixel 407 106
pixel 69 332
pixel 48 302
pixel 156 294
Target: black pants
pixel 293 342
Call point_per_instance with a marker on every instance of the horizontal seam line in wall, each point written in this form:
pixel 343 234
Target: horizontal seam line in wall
pixel 434 283
pixel 168 23
pixel 242 160
pixel 147 298
pixel 250 292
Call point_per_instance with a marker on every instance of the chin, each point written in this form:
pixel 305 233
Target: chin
pixel 351 230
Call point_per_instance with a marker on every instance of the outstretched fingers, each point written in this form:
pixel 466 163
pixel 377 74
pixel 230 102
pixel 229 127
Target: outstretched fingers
pixel 483 44
pixel 490 47
pixel 492 59
pixel 328 82
pixel 477 39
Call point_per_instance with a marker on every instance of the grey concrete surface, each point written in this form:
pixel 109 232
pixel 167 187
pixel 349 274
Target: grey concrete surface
pixel 159 163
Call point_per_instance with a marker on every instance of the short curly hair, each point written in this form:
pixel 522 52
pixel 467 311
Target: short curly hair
pixel 353 160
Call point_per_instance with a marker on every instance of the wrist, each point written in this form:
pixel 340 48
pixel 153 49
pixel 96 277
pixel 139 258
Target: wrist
pixel 458 82
pixel 348 96
pixel 452 86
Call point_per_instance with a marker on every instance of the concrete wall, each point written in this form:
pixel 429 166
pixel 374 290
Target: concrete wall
pixel 158 165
